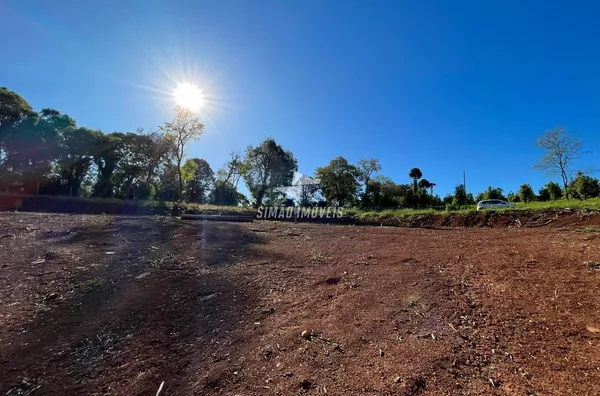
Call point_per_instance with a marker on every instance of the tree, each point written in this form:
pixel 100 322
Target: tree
pixel 266 167
pixel 543 194
pixel 167 185
pixel 339 181
pixel 13 108
pixel 512 197
pixel 491 193
pixel 460 195
pixel 367 168
pixel 425 184
pixel 526 193
pixel 106 155
pixel 199 179
pixel 415 174
pixel 160 150
pixel 225 193
pixel 32 147
pixel 185 127
pixel 561 150
pixel 554 191
pixel 75 159
pixel 585 186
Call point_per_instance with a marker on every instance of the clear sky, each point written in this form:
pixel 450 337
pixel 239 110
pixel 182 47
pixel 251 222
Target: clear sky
pixel 445 86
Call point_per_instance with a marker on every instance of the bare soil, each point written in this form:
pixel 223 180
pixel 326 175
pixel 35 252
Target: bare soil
pixel 115 305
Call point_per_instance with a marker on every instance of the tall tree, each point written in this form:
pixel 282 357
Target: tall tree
pixel 167 185
pixel 158 153
pixel 268 166
pixel 199 178
pixel 561 150
pixel 426 185
pixel 76 157
pixel 106 155
pixel 13 109
pixel 225 190
pixel 33 146
pixel 339 181
pixel 367 168
pixel 415 174
pixel 185 127
pixel 460 195
pixel 131 170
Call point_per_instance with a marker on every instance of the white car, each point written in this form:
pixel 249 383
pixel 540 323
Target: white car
pixel 494 204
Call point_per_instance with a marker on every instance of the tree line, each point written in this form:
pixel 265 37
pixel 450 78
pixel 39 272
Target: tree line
pixel 46 152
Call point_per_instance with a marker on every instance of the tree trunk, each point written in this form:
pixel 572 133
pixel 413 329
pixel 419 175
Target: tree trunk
pixel 180 180
pixel 565 183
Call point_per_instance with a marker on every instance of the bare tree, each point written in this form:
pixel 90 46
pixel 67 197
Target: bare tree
pixel 561 149
pixel 183 128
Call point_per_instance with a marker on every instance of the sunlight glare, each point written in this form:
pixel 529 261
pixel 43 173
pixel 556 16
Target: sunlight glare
pixel 189 96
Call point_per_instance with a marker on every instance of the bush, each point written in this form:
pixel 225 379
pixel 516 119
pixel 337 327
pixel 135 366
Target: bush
pixel 450 207
pixel 526 193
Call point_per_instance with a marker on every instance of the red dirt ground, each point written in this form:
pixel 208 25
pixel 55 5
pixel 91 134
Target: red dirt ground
pixel 105 305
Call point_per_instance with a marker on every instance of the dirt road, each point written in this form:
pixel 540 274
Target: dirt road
pixel 108 305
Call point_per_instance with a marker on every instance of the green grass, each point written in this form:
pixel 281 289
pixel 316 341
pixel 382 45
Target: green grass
pixel 109 205
pixel 401 213
pixel 587 205
pixel 592 204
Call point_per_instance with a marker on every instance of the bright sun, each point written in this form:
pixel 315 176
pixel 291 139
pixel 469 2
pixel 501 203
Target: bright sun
pixel 189 96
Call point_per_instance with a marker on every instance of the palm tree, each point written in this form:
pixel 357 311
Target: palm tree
pixel 424 184
pixel 415 174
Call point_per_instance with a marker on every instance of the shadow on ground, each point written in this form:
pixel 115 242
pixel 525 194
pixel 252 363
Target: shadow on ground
pixel 156 288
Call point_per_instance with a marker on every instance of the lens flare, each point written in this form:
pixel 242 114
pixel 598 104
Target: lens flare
pixel 189 96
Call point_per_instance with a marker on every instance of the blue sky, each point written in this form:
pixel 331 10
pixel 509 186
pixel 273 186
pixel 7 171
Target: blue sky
pixel 445 86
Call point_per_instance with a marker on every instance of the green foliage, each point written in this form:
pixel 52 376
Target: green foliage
pixel 184 127
pixel 554 191
pixel 490 193
pixel 225 193
pixel 367 168
pixel 543 194
pixel 415 174
pixel 339 181
pixel 585 187
pixel 512 197
pixel 460 196
pixel 526 193
pixel 199 179
pixel 188 170
pixel 47 152
pixel 266 167
pixel 13 109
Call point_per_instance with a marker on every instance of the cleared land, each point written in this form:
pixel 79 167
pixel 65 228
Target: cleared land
pixel 111 305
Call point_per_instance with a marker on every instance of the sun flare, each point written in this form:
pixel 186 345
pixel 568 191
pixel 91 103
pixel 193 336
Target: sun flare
pixel 189 96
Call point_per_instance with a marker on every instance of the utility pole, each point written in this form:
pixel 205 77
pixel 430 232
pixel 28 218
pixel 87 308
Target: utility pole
pixel 465 181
